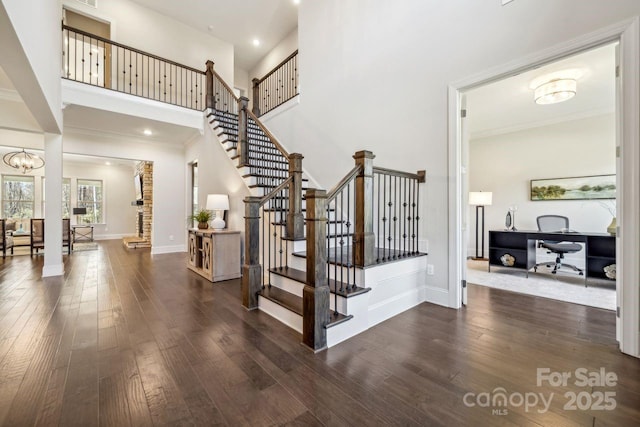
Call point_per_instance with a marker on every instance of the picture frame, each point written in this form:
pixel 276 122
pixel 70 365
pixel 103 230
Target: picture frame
pixel 594 187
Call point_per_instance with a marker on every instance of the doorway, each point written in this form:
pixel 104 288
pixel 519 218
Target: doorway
pixel 628 166
pixel 518 145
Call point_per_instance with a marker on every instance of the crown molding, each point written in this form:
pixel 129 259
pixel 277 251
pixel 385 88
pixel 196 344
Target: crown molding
pixel 540 123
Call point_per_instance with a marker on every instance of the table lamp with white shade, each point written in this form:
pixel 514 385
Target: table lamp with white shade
pixel 480 199
pixel 218 203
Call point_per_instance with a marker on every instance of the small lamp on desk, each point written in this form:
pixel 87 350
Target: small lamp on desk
pixel 218 203
pixel 480 199
pixel 79 211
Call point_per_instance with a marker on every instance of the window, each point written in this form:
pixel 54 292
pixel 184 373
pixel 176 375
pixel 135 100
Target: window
pixel 90 197
pixel 17 196
pixel 194 188
pixel 66 197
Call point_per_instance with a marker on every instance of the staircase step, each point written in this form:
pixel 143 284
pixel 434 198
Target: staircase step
pixel 283 298
pixel 301 276
pixel 294 304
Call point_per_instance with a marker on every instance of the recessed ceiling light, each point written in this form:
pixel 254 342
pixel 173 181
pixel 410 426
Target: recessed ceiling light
pixel 296 1
pixel 210 27
pixel 107 163
pixel 256 42
pixel 147 132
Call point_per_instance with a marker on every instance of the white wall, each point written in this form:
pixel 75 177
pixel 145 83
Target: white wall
pixel 216 175
pixel 275 56
pixel 152 32
pixel 31 42
pixel 169 214
pixel 118 192
pixel 375 76
pixel 505 164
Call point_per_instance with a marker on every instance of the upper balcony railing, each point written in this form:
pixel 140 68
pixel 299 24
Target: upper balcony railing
pixel 277 86
pixel 88 58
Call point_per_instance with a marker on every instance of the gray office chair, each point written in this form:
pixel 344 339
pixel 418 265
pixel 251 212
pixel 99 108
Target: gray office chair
pixel 556 223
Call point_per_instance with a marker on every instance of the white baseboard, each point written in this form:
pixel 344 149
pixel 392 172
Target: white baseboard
pixel 157 250
pixel 437 296
pixel 53 270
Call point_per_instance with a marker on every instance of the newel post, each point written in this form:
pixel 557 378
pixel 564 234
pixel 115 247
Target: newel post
pixel 295 219
pixel 315 296
pixel 256 96
pixel 210 100
pixel 363 239
pixel 243 119
pixel 251 269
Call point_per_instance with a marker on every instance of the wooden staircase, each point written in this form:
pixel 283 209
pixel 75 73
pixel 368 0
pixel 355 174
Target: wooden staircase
pixel 306 249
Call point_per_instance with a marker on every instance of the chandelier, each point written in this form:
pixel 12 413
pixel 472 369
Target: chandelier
pixel 23 160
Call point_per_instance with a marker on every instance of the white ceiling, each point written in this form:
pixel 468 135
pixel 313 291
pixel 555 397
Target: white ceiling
pixel 508 105
pixel 237 22
pixel 115 124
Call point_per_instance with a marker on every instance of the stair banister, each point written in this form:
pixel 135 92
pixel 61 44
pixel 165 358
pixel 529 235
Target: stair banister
pixel 243 139
pixel 210 101
pixel 251 269
pixel 316 293
pixel 256 96
pixel 364 240
pixel 295 219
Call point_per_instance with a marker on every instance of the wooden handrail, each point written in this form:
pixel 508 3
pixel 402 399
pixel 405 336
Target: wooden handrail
pixel 105 40
pixel 274 69
pixel 226 86
pixel 343 182
pixel 269 134
pixel 275 191
pixel 420 176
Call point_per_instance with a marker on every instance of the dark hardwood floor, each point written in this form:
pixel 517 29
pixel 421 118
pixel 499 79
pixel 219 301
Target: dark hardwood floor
pixel 130 339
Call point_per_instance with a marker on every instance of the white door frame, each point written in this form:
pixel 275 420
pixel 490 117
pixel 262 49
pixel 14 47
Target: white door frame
pixel 628 203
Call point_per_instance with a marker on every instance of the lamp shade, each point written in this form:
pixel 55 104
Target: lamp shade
pixel 480 198
pixel 217 202
pixel 79 211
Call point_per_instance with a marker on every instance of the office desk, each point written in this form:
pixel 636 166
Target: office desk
pixel 599 249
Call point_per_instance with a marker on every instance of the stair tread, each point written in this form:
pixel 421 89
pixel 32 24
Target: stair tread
pixel 294 303
pixel 301 276
pixel 281 297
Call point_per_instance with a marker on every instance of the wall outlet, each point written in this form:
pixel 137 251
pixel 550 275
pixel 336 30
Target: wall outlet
pixel 171 238
pixel 430 269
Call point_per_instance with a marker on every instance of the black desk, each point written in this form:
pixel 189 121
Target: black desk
pixel 599 249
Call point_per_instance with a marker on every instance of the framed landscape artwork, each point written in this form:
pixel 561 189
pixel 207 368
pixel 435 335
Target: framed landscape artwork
pixel 576 188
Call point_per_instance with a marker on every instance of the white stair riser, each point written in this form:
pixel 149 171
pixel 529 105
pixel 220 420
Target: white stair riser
pixel 287 317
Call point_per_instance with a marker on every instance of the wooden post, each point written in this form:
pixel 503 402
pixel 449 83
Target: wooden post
pixel 315 295
pixel 256 96
pixel 295 219
pixel 243 137
pixel 363 239
pixel 251 269
pixel 210 98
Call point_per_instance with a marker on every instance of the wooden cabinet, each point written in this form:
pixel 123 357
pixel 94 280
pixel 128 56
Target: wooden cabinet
pixel 215 255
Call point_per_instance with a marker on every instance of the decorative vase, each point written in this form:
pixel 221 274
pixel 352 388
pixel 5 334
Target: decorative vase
pixel 203 225
pixel 611 229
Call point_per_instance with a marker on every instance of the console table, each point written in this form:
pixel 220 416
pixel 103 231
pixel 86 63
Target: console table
pixel 214 254
pixel 599 249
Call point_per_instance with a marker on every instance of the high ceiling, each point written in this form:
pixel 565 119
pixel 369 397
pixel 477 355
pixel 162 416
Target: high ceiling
pixel 237 22
pixel 508 105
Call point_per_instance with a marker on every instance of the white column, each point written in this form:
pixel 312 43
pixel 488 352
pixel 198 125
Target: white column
pixel 53 265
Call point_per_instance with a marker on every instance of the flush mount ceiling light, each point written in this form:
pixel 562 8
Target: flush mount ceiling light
pixel 554 91
pixel 23 160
